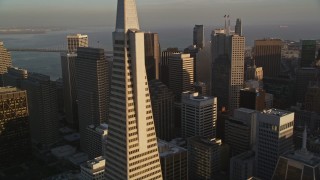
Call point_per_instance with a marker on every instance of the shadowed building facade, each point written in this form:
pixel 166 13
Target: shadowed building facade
pixel 164 64
pixel 43 108
pixel 162 99
pixel 92 88
pixel 152 55
pixel 308 52
pixel 15 142
pixel 267 54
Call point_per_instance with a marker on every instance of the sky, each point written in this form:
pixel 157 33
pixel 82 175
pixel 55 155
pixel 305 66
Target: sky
pixel 158 13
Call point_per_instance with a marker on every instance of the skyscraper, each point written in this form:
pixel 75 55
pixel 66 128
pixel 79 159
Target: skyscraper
pixel 267 54
pixel 174 161
pixel 312 99
pixel 132 150
pixel 198 36
pixel 162 99
pixel 43 108
pixel 242 166
pixel 75 41
pixel 68 67
pixel 228 69
pixel 308 52
pixel 95 140
pixel 15 144
pixel 152 55
pixel 203 157
pixel 92 88
pixel 238 27
pixel 5 61
pixel 305 77
pixel 240 131
pixel 198 115
pixel 274 138
pixel 164 64
pixel 181 74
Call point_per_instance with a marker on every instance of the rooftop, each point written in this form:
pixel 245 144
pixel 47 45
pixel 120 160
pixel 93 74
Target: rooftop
pixel 245 110
pixel 72 137
pixel 310 159
pixel 167 149
pixel 276 112
pixel 63 151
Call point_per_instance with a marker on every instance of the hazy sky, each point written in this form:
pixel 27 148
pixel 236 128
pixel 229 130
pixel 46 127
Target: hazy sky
pixel 155 13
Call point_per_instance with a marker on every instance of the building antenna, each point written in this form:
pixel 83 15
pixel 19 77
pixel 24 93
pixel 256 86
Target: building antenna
pixel 225 22
pixel 228 30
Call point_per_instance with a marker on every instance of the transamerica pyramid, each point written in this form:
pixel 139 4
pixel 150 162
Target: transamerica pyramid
pixel 132 151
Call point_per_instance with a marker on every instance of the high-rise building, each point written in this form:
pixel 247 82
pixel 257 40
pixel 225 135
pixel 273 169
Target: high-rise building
pixel 274 138
pixel 238 27
pixel 240 131
pixel 43 108
pixel 181 74
pixel 96 137
pixel 174 161
pixel 204 67
pixel 203 157
pixel 75 41
pixel 198 115
pixel 193 51
pixel 228 69
pixel 59 85
pixel 312 99
pixel 283 91
pixel 92 88
pixel 305 77
pixel 164 64
pixel 299 165
pixel 5 61
pixel 14 76
pixel 68 67
pixel 162 99
pixel 242 166
pixel 198 36
pixel 93 169
pixel 15 144
pixel 132 148
pixel 267 54
pixel 252 98
pixel 308 52
pixel 152 55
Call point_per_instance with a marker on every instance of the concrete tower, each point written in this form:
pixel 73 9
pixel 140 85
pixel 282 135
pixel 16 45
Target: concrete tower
pixel 132 150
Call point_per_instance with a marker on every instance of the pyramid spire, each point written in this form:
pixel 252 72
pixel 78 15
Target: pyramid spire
pixel 127 16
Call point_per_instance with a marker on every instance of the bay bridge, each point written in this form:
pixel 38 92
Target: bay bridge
pixel 60 49
pixel 37 50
